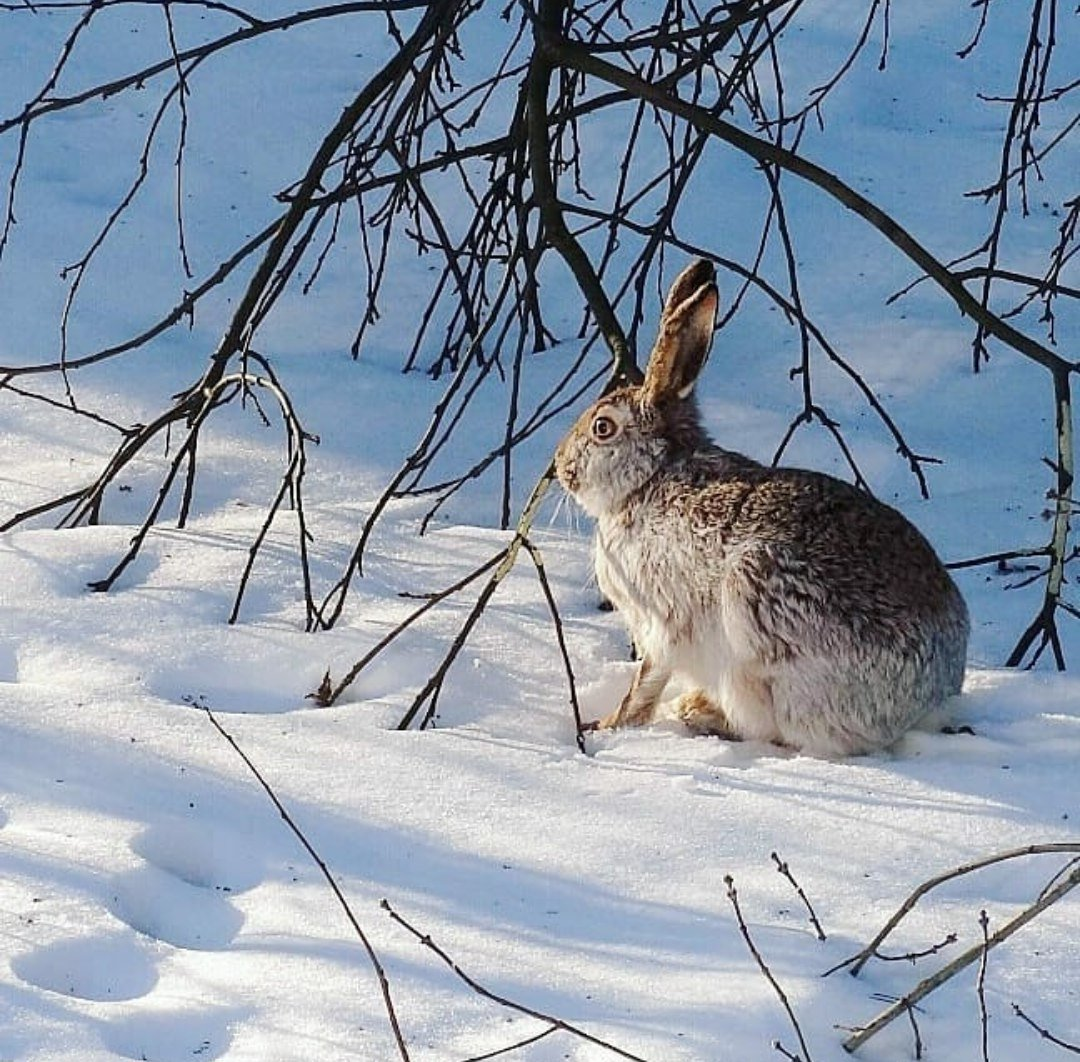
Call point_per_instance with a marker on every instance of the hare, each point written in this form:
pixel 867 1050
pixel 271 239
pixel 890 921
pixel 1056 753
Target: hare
pixel 792 607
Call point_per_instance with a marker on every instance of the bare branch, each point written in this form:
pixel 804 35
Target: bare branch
pixel 560 636
pixel 733 896
pixel 973 954
pixel 859 960
pixel 339 896
pixel 767 152
pixel 1045 1033
pixel 504 1001
pixel 980 987
pixel 785 871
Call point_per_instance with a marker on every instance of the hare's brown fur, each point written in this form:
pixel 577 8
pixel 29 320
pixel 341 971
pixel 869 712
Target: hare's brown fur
pixel 794 607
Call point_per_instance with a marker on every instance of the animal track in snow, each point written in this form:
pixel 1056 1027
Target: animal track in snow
pixel 181 896
pixel 164 907
pixel 103 969
pixel 200 855
pixel 172 1036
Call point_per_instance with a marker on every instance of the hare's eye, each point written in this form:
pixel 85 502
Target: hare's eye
pixel 604 428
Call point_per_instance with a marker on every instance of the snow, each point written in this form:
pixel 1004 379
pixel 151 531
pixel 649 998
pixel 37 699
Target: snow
pixel 153 902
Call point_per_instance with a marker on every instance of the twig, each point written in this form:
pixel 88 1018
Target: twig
pixel 89 506
pixel 917 1036
pixel 560 635
pixel 183 310
pixel 380 972
pixel 733 896
pixel 181 144
pixel 510 1048
pixel 504 1001
pixel 540 156
pixel 1044 626
pixel 980 987
pixel 1045 1033
pixel 778 1046
pixel 329 692
pixel 908 956
pixel 859 960
pixel 1066 869
pixel 998 558
pixel 291 487
pixel 427 698
pixel 936 980
pixel 785 871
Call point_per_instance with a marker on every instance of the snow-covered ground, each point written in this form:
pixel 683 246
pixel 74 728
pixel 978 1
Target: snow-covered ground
pixel 154 904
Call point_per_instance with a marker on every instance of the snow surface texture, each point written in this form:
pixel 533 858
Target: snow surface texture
pixel 153 903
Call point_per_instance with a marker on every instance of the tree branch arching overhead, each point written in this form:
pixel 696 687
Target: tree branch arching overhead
pixel 511 208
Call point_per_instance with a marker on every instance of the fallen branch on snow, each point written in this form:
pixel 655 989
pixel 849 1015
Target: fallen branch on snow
pixel 1060 886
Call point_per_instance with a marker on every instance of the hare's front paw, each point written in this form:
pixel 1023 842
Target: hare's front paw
pixel 702 715
pixel 607 722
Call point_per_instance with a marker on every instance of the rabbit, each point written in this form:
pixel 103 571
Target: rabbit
pixel 793 607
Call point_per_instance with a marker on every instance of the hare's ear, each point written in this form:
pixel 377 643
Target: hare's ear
pixel 686 331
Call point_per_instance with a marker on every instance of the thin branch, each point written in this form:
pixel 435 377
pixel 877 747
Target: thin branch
pixel 373 958
pixel 560 636
pixel 765 151
pixel 427 698
pixel 47 102
pixel 973 954
pixel 538 84
pixel 1048 1036
pixel 183 310
pixel 785 871
pixel 980 987
pixel 501 1000
pixel 1044 625
pixel 517 1046
pixel 329 692
pixel 781 1049
pixel 916 1035
pixel 859 960
pixel 290 489
pixel 733 896
pixel 999 558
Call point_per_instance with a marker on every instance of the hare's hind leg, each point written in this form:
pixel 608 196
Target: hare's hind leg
pixel 704 716
pixel 639 705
